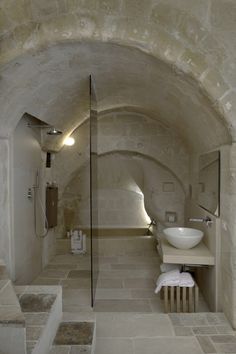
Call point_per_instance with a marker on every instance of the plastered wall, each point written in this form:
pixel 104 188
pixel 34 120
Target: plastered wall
pixel 29 252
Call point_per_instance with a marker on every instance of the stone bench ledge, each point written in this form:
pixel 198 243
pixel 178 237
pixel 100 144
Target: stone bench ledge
pixel 10 311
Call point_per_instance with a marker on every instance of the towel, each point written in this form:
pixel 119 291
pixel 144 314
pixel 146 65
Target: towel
pixel 166 267
pixel 174 278
pixel 186 280
pixel 171 278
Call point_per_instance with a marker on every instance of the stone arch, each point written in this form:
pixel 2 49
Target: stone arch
pixel 171 33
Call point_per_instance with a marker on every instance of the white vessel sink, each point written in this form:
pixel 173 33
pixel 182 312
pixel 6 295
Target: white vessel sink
pixel 183 238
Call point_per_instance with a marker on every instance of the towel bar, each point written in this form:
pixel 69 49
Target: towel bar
pixel 180 299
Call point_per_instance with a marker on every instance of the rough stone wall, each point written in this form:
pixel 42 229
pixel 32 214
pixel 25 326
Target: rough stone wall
pixel 5 226
pixel 228 231
pixel 131 190
pixel 197 37
pixel 137 155
pixel 127 132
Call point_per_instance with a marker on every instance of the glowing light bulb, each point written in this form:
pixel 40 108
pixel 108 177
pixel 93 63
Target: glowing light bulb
pixel 69 141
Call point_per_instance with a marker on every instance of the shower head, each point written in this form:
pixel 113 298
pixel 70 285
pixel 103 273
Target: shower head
pixel 54 131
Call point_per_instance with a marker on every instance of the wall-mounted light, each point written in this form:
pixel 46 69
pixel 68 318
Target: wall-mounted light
pixel 69 141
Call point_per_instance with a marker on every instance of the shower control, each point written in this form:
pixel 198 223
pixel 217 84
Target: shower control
pixel 29 194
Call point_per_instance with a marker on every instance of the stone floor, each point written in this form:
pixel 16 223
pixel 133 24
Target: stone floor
pixel 152 333
pixel 129 316
pixel 126 282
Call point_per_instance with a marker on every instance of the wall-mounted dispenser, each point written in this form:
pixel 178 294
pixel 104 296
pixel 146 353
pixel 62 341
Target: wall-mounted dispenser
pixel 51 205
pixel 171 216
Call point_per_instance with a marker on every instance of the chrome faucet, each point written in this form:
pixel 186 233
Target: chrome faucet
pixel 207 220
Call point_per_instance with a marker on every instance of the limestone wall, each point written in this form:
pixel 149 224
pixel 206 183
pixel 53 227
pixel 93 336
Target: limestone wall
pixel 137 158
pixel 197 38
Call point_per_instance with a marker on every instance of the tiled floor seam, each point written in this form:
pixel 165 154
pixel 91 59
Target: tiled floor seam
pixel 198 344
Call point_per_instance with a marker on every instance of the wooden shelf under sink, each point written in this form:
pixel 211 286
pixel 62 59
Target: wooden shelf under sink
pixel 199 255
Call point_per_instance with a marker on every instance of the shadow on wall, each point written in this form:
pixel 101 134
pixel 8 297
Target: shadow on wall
pixel 129 186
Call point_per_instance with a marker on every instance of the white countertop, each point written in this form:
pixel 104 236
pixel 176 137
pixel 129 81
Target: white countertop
pixel 199 255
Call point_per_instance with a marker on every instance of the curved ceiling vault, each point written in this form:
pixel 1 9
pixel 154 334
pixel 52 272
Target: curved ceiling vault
pixel 171 59
pixel 53 86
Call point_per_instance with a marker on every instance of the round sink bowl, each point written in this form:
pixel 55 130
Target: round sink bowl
pixel 183 238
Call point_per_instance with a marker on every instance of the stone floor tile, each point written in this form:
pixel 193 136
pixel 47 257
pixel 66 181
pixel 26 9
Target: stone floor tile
pixel 43 289
pixel 113 294
pixel 79 349
pixel 114 346
pixel 60 349
pixel 175 319
pixel 176 345
pixel 54 273
pixel 157 305
pixel 82 283
pixel 76 296
pixel 143 294
pixel 224 338
pixel 188 319
pixel 206 344
pixel 121 266
pixel 109 283
pixel 46 281
pixel 36 302
pixel 152 325
pixel 139 283
pixel 74 333
pixel 224 329
pixel 77 308
pixel 226 348
pixel 33 332
pixel 120 274
pixel 183 331
pixel 107 260
pixel 133 325
pixel 79 316
pixel 143 273
pixel 122 306
pixel 36 319
pixel 79 274
pixel 204 330
pixel 61 266
pixel 216 318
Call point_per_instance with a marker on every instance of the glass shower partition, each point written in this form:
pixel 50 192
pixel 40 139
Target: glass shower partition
pixel 93 191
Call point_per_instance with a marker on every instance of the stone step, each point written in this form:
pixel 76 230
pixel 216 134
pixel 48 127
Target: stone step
pixel 42 308
pixel 115 245
pixel 131 237
pixel 133 245
pixel 12 320
pixel 76 334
